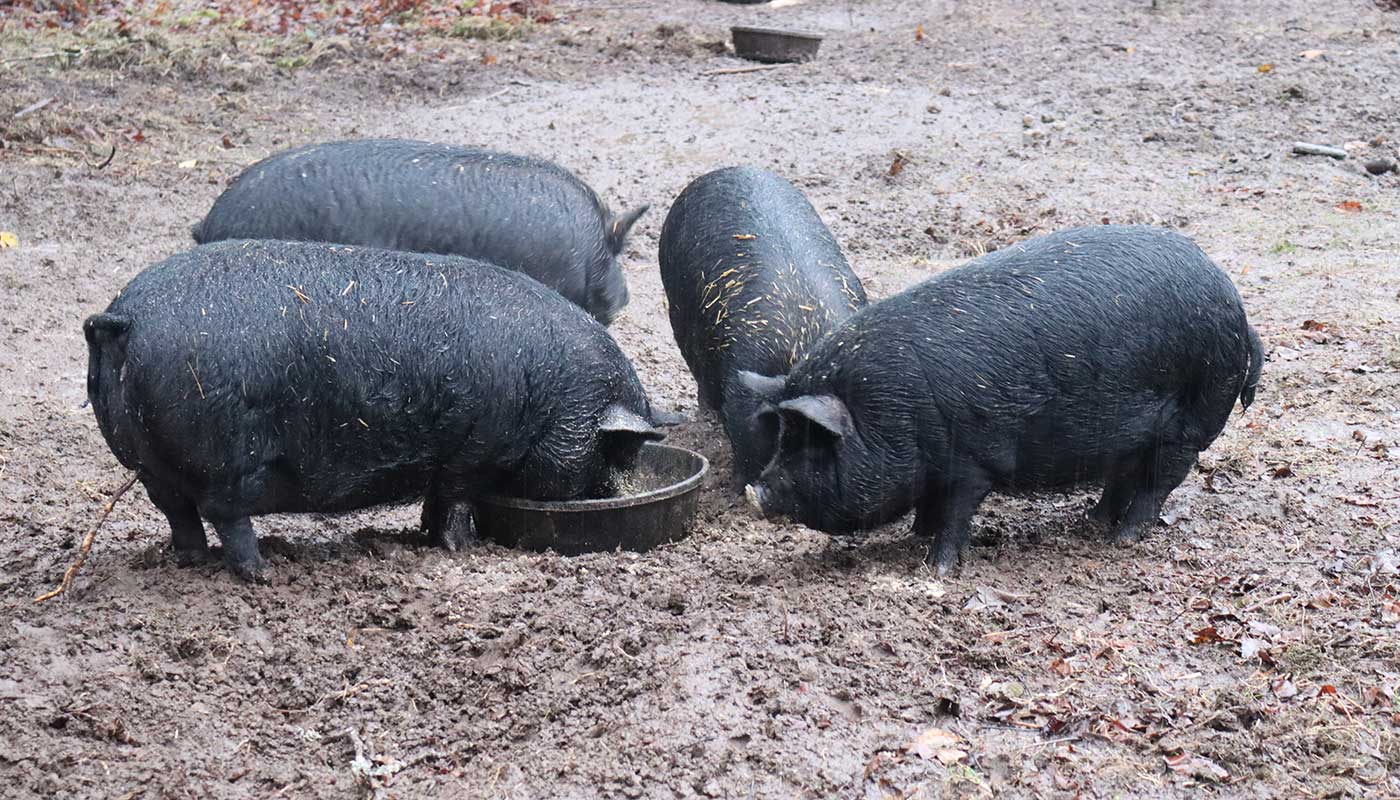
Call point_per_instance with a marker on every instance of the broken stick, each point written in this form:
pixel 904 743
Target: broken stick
pixel 1308 149
pixel 741 70
pixel 86 548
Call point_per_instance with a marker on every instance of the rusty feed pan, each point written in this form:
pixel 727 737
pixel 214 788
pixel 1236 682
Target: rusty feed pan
pixel 774 46
pixel 657 506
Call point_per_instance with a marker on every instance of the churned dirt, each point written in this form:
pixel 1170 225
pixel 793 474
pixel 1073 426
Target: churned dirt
pixel 1251 648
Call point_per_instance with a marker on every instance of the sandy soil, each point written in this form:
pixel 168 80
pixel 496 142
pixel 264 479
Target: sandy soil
pixel 1250 649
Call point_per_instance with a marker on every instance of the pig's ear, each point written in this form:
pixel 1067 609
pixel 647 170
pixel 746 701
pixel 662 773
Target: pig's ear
pixel 767 387
pixel 620 225
pixel 822 410
pixel 621 420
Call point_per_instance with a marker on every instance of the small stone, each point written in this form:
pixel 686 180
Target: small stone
pixel 1380 166
pixel 1047 118
pixel 1027 121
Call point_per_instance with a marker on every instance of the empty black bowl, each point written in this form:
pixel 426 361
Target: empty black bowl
pixel 773 45
pixel 656 506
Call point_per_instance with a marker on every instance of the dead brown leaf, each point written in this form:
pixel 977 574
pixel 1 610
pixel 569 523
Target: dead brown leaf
pixel 990 597
pixel 1390 613
pixel 1207 635
pixel 1198 767
pixel 936 744
pixel 1266 68
pixel 1252 648
pixel 1349 207
pixel 919 33
pixel 897 166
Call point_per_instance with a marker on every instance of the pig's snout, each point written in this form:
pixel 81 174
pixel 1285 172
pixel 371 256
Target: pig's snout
pixel 754 495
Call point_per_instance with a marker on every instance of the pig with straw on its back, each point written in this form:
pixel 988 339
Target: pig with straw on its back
pixel 524 214
pixel 1104 355
pixel 753 279
pixel 246 377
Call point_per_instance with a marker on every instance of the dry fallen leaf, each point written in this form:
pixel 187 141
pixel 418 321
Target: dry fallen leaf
pixel 1207 635
pixel 1198 767
pixel 1265 629
pixel 919 33
pixel 936 743
pixel 1062 667
pixel 191 164
pixel 897 166
pixel 990 597
pixel 8 239
pixel 488 59
pixel 1266 67
pixel 1390 613
pixel 1349 207
pixel 1252 648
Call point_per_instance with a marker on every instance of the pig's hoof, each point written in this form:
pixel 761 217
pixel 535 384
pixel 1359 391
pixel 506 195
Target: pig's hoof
pixel 1128 534
pixel 252 570
pixel 1102 515
pixel 456 532
pixel 944 563
pixel 191 557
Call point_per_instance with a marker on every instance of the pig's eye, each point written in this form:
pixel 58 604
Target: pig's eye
pixel 801 435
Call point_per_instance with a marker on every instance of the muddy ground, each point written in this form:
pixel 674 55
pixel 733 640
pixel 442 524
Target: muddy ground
pixel 1251 648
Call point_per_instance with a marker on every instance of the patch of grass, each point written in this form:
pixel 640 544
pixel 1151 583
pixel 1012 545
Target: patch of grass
pixel 1283 247
pixel 491 29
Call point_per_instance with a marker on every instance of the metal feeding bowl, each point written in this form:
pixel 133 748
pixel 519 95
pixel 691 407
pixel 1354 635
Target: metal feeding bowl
pixel 656 505
pixel 775 46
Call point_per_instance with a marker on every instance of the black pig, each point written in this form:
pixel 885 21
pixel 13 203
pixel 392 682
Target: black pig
pixel 256 377
pixel 524 214
pixel 753 278
pixel 1105 355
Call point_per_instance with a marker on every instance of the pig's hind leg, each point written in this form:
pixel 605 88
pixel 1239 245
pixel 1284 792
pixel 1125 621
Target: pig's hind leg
pixel 187 535
pixel 1120 484
pixel 945 514
pixel 1166 469
pixel 240 542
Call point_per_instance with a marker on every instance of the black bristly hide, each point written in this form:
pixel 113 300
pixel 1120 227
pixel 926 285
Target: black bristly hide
pixel 1108 355
pixel 252 377
pixel 753 279
pixel 524 214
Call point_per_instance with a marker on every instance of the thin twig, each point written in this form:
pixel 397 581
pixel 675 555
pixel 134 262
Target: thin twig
pixel 86 548
pixel 37 56
pixel 110 156
pixel 30 109
pixel 998 636
pixel 1046 743
pixel 741 70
